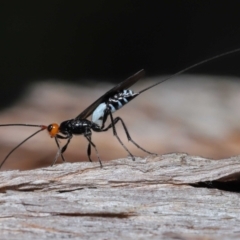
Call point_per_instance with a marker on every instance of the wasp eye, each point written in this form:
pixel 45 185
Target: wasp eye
pixel 53 129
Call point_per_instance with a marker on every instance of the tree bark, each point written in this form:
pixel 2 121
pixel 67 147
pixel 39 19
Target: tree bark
pixel 173 196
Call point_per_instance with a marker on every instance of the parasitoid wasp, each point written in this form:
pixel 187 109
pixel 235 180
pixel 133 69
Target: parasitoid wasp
pixel 102 109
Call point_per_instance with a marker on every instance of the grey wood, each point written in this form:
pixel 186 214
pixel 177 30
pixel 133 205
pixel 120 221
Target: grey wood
pixel 148 198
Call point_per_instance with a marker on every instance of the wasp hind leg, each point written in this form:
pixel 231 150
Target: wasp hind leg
pixel 112 125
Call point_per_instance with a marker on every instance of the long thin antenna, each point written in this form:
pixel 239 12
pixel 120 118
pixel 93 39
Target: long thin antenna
pixel 24 125
pixel 192 66
pixel 43 127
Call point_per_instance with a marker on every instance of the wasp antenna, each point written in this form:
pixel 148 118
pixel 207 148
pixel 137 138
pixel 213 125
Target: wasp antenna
pixel 43 127
pixel 24 125
pixel 193 66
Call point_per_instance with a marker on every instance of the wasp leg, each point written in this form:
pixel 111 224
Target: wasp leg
pixel 90 143
pixel 89 152
pixel 89 133
pixel 112 125
pixel 127 133
pixel 63 149
pixel 88 136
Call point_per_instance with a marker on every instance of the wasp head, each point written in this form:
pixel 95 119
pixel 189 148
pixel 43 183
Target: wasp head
pixel 53 129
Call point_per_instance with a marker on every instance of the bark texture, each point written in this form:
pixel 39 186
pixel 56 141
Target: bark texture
pixel 173 196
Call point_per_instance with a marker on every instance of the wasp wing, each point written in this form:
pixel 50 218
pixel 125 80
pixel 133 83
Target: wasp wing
pixel 121 86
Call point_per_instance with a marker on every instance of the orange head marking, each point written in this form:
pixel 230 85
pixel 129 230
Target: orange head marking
pixel 53 129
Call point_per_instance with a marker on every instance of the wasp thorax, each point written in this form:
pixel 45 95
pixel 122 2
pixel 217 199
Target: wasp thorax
pixel 53 129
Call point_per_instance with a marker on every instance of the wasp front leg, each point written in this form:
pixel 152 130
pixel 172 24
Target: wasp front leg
pixel 63 149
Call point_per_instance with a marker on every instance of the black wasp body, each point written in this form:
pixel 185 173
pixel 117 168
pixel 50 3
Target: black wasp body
pixel 77 127
pixel 102 109
pixel 99 115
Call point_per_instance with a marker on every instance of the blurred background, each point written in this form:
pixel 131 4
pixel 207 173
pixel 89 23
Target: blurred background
pixel 57 57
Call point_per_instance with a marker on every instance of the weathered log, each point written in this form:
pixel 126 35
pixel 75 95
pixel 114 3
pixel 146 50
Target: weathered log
pixel 152 198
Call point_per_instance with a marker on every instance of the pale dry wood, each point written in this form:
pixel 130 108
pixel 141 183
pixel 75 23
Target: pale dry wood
pixel 147 199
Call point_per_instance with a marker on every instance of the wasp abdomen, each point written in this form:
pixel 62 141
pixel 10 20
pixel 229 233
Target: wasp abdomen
pixel 115 102
pixel 120 99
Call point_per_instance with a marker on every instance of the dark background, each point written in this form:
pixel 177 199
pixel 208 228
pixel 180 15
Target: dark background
pixel 109 40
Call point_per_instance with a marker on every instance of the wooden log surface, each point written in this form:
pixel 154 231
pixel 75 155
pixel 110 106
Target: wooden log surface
pixel 172 196
pixel 164 197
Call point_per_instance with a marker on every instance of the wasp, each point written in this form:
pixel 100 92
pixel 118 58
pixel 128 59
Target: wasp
pixel 100 111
